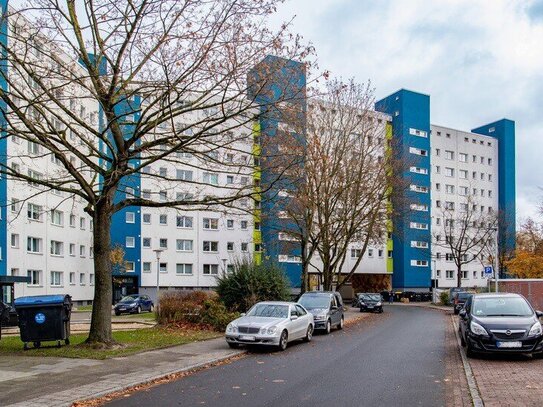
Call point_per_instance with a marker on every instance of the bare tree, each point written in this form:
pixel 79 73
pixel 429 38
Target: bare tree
pixel 467 233
pixel 348 181
pixel 106 89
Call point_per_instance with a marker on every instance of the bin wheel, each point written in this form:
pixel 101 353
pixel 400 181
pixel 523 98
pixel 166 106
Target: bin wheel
pixel 67 341
pixel 25 346
pixel 37 344
pixel 58 344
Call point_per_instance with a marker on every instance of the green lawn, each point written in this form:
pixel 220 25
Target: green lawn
pixel 131 342
pixel 84 308
pixel 147 316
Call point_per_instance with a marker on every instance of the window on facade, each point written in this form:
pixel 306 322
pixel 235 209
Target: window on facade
pixel 163 196
pixel 184 222
pixel 72 221
pixel 56 248
pixel 184 245
pixel 244 247
pixel 449 189
pixel 56 279
pixel 57 217
pixel 35 277
pixel 130 242
pixel 71 278
pixel 211 269
pixel 81 278
pixel 230 246
pixel 449 274
pixel 184 175
pixel 210 246
pixel 230 223
pixel 163 267
pixel 130 217
pixel 183 268
pixel 163 243
pixel 449 155
pixel 449 172
pixel 82 223
pixel 34 211
pixel 211 223
pixel 243 224
pixel 462 157
pixel 146 267
pixel 229 179
pixel 15 240
pixel 146 218
pixel 211 178
pixel 356 253
pixel 72 249
pixel 82 250
pixel 33 244
pixel 463 174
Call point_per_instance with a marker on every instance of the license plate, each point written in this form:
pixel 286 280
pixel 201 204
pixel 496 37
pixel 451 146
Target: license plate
pixel 370 306
pixel 247 338
pixel 509 344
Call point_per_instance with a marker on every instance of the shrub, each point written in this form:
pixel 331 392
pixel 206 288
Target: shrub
pixel 250 283
pixel 194 307
pixel 444 298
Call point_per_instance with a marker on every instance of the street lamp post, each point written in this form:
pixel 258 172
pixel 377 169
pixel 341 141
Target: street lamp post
pixel 157 252
pixel 224 266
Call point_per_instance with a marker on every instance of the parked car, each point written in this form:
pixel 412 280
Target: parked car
pixel 371 302
pixel 500 323
pixel 460 299
pixel 356 300
pixel 326 307
pixel 134 304
pixel 452 292
pixel 271 324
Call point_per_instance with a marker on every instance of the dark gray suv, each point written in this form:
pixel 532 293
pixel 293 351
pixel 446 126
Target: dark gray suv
pixel 326 307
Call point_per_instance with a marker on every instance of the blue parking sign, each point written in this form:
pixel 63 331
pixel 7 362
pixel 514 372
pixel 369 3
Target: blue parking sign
pixel 489 270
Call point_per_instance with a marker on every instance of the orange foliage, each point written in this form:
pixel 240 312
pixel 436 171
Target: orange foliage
pixel 526 264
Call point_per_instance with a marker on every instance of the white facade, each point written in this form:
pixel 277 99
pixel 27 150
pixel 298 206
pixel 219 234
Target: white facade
pixel 462 164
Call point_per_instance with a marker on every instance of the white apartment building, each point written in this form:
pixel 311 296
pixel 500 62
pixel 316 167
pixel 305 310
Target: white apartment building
pixel 463 165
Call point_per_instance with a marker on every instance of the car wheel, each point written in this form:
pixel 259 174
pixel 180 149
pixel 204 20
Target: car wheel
pixel 361 310
pixel 233 345
pixel 151 308
pixel 117 313
pixel 469 351
pixel 283 341
pixel 341 323
pixel 462 340
pixel 138 310
pixel 328 327
pixel 309 333
pixel 456 311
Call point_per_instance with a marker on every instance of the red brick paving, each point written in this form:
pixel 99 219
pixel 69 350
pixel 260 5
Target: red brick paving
pixel 456 385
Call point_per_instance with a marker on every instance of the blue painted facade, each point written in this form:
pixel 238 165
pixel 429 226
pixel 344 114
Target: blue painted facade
pixel 504 131
pixel 275 80
pixel 3 137
pixel 410 110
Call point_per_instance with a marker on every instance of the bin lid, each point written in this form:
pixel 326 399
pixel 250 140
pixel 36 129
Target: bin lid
pixel 39 300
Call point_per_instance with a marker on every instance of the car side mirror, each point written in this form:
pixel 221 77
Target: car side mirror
pixel 462 313
pixel 539 314
pixel 334 307
pixel 242 314
pixel 293 317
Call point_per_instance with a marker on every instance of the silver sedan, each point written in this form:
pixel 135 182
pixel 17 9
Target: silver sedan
pixel 271 323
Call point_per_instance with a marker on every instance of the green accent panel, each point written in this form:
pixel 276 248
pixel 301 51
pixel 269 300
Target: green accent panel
pixel 257 175
pixel 390 228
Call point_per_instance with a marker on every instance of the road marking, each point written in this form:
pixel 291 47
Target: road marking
pixel 472 383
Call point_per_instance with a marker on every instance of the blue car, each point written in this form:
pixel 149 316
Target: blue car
pixel 134 304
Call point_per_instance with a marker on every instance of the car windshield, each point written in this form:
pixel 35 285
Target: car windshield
pixel 463 296
pixel 128 298
pixel 501 307
pixel 315 301
pixel 371 297
pixel 269 311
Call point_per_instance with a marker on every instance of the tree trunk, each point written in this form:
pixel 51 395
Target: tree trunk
pixel 459 276
pixel 100 329
pixel 304 277
pixel 328 273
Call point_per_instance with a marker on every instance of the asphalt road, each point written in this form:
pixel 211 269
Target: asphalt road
pixel 392 359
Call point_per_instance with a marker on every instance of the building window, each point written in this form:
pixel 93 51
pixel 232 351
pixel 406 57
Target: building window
pixel 163 196
pixel 81 278
pixel 438 273
pixel 184 245
pixel 129 266
pixel 449 189
pixel 183 269
pixel 33 244
pixel 146 267
pixel 35 277
pixel 244 247
pixel 147 218
pixel 449 172
pixel 463 157
pixel 230 246
pixel 449 274
pixel 230 268
pixel 72 221
pixel 419 263
pixel 184 222
pixel 56 248
pixel 130 217
pixel 419 244
pixel 211 224
pixel 82 223
pixel 229 179
pixel 418 151
pixel 210 247
pixel 146 242
pixel 356 253
pixel 34 212
pixel 163 243
pixel 449 155
pixel 211 178
pixel 15 240
pixel 57 217
pixel 71 277
pixel 130 242
pixel 230 223
pixel 417 225
pixel 243 225
pixel 56 279
pixel 211 269
pixel 463 174
pixel 163 219
pixel 184 175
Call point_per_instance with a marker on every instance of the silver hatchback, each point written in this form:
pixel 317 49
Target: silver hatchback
pixel 271 323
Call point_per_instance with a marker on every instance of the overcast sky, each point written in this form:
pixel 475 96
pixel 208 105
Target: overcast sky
pixel 479 60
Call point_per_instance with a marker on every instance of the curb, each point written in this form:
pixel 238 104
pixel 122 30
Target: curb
pixel 472 383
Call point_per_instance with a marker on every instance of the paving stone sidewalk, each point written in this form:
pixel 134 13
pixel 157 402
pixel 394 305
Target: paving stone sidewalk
pixel 27 381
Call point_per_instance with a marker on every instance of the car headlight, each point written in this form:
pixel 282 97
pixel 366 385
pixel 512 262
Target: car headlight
pixel 231 328
pixel 378 304
pixel 320 317
pixel 535 330
pixel 477 329
pixel 272 330
pixel 362 303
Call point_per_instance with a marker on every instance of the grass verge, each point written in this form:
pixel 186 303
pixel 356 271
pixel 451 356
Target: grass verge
pixel 130 342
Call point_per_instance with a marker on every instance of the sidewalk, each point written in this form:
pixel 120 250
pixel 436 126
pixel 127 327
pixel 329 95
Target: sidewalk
pixel 27 381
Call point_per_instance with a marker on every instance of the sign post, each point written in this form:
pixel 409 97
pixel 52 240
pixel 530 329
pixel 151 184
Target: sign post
pixel 489 270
